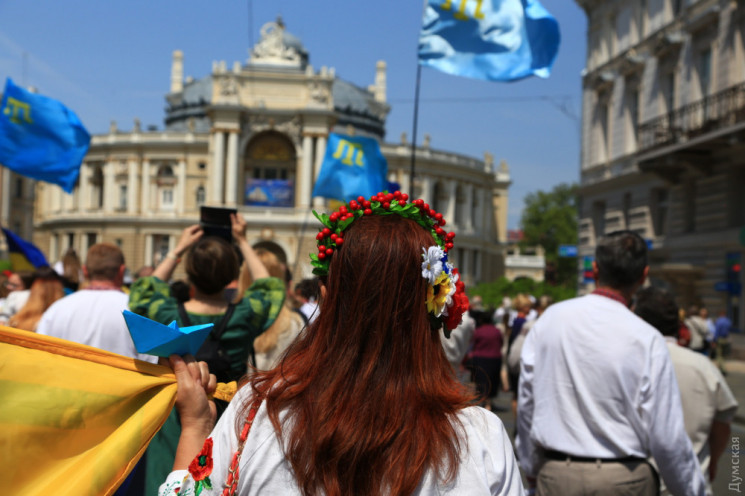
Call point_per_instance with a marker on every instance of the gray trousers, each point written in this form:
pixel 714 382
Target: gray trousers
pixel 571 478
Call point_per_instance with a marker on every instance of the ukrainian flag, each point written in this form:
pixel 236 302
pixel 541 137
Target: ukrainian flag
pixel 23 255
pixel 74 419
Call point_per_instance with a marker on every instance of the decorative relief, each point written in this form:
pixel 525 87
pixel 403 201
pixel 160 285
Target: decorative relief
pixel 228 90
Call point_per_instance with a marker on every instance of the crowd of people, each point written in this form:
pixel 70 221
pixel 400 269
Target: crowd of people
pixel 375 377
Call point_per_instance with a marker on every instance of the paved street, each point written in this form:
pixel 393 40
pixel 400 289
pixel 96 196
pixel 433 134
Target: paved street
pixel 729 464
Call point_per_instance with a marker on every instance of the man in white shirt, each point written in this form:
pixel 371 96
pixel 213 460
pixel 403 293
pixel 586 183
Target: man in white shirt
pixel 93 316
pixel 598 393
pixel 708 403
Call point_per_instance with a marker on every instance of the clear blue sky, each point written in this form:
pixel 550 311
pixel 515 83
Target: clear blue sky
pixel 111 60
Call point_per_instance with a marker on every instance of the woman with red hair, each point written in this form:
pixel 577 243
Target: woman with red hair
pixel 364 402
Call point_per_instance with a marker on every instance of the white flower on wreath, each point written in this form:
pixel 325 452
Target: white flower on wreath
pixel 432 263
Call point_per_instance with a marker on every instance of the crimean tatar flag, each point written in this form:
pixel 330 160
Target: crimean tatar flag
pixel 41 138
pixel 74 419
pixel 495 40
pixel 353 166
pixel 23 254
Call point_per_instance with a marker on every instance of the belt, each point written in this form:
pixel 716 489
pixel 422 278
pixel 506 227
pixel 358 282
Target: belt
pixel 559 456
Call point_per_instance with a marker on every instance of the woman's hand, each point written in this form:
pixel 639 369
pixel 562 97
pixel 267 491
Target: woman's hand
pixel 195 383
pixel 238 227
pixel 189 236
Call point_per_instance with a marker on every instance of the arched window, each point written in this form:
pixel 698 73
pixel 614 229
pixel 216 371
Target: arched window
pixel 269 173
pixel 201 196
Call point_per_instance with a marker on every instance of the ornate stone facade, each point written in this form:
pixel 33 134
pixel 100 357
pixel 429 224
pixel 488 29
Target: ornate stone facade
pixel 263 122
pixel 662 136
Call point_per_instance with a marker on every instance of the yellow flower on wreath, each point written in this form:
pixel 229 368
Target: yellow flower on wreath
pixel 438 294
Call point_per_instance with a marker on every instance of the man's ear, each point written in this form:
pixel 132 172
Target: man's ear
pixel 120 273
pixel 595 271
pixel 85 272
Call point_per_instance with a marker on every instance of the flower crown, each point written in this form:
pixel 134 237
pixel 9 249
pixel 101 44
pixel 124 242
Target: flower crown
pixel 446 300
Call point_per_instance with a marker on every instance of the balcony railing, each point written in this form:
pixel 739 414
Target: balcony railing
pixel 711 113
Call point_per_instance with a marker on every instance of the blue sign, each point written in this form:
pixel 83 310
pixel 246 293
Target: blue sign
pixel 730 287
pixel 567 250
pixel 269 193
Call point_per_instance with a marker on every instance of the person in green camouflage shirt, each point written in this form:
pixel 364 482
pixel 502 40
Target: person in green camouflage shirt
pixel 211 264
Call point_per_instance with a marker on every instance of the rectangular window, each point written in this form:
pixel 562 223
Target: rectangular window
pixel 668 92
pixel 598 218
pixel 19 188
pixel 689 206
pixel 632 112
pixel 123 197
pixel 704 71
pixel 166 199
pixel 626 210
pixel 659 210
pixel 641 20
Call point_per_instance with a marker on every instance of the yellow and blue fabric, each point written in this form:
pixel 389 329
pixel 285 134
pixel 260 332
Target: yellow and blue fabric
pixel 75 419
pixel 23 254
pixel 353 166
pixel 494 40
pixel 41 138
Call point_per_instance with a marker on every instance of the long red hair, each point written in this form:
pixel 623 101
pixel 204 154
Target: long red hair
pixel 370 396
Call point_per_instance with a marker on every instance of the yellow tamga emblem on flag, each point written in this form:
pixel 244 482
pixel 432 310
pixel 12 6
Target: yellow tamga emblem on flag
pixel 74 419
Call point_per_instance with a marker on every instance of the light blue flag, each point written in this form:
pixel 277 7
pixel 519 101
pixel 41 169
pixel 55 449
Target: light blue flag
pixel 495 40
pixel 353 166
pixel 40 138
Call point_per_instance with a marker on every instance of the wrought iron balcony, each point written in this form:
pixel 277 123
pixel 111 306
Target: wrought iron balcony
pixel 715 112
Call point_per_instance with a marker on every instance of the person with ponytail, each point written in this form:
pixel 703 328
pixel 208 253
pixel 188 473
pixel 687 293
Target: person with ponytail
pixel 364 402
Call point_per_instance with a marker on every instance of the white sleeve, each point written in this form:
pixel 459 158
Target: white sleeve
pixel 662 415
pixel 526 450
pixel 225 443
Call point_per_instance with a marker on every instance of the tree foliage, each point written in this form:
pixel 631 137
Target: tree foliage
pixel 492 292
pixel 549 219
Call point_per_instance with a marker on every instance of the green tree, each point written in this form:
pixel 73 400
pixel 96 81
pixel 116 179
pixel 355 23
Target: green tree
pixel 549 219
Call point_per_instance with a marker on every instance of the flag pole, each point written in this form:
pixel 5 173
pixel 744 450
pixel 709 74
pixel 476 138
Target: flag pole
pixel 412 174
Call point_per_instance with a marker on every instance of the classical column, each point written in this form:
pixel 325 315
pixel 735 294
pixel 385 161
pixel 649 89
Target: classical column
pixel 469 207
pixel 53 248
pixel 148 249
pixel 84 189
pixel 5 207
pixel 478 212
pixel 218 168
pixel 56 199
pixel 465 264
pixel 145 209
pixel 181 187
pixel 109 184
pixel 320 152
pixel 132 187
pixel 306 173
pixel 232 168
pixel 68 202
pixel 450 208
pixel 405 182
pixel 426 189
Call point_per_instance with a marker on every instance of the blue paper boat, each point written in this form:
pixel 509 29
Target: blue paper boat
pixel 154 338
